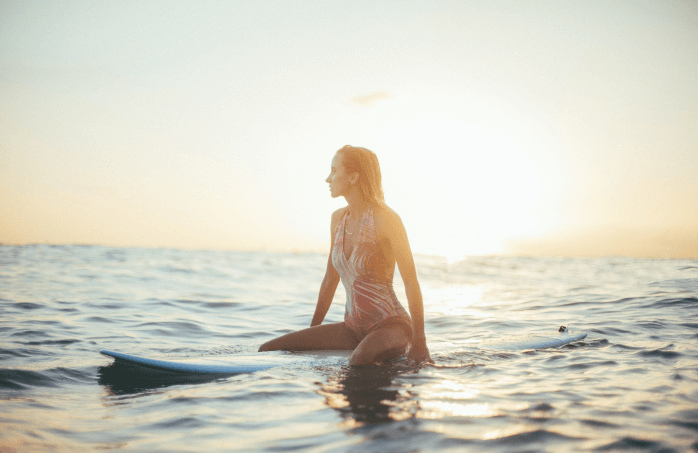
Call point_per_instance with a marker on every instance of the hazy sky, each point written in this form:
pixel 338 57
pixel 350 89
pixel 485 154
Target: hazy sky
pixel 564 128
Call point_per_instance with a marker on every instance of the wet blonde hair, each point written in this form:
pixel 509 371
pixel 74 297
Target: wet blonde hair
pixel 364 162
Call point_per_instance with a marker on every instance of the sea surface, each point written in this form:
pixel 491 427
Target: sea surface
pixel 631 385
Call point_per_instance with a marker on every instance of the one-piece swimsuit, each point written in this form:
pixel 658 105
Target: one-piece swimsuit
pixel 371 300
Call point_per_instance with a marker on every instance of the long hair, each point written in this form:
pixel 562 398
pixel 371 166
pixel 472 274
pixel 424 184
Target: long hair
pixel 364 162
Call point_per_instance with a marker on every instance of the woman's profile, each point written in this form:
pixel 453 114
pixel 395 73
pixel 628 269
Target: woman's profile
pixel 368 239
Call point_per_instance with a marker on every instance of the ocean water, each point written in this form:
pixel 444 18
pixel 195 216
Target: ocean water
pixel 631 385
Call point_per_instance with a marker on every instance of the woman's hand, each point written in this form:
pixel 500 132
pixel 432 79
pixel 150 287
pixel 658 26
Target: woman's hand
pixel 419 354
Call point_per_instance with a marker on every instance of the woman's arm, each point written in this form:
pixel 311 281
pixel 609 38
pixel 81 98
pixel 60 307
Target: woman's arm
pixel 327 289
pixel 395 233
pixel 331 280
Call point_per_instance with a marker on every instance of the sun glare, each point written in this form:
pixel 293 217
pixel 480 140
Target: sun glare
pixel 454 301
pixel 445 170
pixel 441 409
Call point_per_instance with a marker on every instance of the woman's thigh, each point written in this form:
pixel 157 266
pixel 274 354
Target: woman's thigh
pixel 388 342
pixel 325 336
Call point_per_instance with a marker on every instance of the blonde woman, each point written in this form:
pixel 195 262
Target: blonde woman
pixel 368 239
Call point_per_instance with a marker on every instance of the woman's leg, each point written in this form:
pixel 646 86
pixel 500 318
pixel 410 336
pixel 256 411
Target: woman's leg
pixel 325 336
pixel 387 342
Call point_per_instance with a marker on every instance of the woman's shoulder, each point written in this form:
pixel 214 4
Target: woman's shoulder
pixel 336 217
pixel 385 219
pixel 384 213
pixel 338 214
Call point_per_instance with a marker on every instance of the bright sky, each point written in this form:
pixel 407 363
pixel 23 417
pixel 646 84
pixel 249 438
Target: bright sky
pixel 552 127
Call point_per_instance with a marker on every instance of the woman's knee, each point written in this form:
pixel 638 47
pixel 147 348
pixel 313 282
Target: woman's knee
pixel 265 347
pixel 383 344
pixel 280 343
pixel 362 359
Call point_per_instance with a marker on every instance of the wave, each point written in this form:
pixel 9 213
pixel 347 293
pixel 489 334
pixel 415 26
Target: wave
pixel 635 444
pixel 17 379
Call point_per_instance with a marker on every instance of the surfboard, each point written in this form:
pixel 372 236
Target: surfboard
pixel 523 342
pixel 252 363
pixel 244 364
pixel 235 364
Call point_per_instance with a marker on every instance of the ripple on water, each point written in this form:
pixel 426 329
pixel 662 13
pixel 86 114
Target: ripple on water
pixel 593 364
pixel 64 342
pixel 30 333
pixel 688 419
pixel 99 319
pixel 635 444
pixel 660 353
pixel 6 353
pixel 175 326
pixel 230 304
pixel 673 302
pixel 12 379
pixel 599 424
pixel 27 306
pixel 175 423
pixel 653 325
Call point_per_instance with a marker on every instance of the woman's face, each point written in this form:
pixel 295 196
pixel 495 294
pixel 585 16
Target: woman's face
pixel 339 180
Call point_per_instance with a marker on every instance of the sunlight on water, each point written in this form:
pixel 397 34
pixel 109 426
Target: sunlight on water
pixel 440 409
pixel 507 432
pixel 630 385
pixel 453 390
pixel 454 301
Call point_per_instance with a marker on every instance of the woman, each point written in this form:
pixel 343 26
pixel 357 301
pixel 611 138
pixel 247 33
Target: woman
pixel 368 238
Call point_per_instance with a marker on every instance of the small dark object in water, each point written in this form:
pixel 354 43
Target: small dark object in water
pixel 562 329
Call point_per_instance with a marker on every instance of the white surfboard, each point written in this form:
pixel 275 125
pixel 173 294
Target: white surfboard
pixel 236 364
pixel 523 342
pixel 199 365
pixel 264 361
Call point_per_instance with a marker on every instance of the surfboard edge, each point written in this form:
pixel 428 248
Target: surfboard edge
pixel 185 368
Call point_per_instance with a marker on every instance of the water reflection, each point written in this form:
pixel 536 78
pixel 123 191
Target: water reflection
pixel 365 395
pixel 123 379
